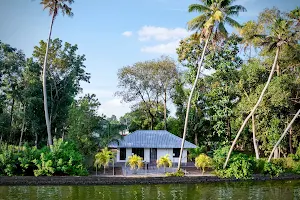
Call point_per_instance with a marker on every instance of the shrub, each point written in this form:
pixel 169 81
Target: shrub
pixel 219 157
pixel 194 153
pixel 178 173
pixel 8 160
pixel 164 161
pixel 203 161
pixel 240 167
pixel 64 159
pixel 273 168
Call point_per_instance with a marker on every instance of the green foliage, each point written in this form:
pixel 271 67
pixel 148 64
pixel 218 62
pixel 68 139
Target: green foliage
pixel 203 161
pixel 164 161
pixel 8 160
pixel 195 152
pixel 178 173
pixel 219 157
pixel 63 159
pixel 240 167
pixel 83 122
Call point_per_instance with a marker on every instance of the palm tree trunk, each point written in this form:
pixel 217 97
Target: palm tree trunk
pixel 254 108
pixel 165 108
pixel 284 133
pixel 48 124
pixel 11 118
pixel 22 130
pixel 290 140
pixel 189 101
pixel 254 137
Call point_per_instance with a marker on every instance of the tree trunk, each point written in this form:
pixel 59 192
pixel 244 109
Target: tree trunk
pixel 228 128
pixel 165 108
pixel 290 140
pixel 189 101
pixel 22 130
pixel 48 124
pixel 196 138
pixel 254 108
pixel 284 133
pixel 104 170
pixel 278 70
pixel 254 137
pixel 152 121
pixel 11 119
pixel 36 140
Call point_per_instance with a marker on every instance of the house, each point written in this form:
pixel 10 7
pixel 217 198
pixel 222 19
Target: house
pixel 151 145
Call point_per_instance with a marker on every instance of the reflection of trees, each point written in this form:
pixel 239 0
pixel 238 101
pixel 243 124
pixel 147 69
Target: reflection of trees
pixel 235 190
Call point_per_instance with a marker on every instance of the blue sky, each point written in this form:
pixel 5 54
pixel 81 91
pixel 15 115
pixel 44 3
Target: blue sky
pixel 111 34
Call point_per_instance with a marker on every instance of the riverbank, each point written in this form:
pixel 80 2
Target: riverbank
pixel 120 180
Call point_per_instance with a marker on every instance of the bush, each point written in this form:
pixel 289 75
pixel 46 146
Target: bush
pixel 64 159
pixel 8 160
pixel 219 157
pixel 240 166
pixel 203 161
pixel 273 168
pixel 193 153
pixel 178 173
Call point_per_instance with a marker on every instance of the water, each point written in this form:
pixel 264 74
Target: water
pixel 282 190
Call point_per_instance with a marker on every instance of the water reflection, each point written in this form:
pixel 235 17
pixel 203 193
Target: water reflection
pixel 283 190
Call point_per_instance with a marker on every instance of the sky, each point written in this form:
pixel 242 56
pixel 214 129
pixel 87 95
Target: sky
pixel 112 34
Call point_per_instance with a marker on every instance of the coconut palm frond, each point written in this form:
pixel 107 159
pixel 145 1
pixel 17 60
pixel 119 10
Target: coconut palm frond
pixel 198 8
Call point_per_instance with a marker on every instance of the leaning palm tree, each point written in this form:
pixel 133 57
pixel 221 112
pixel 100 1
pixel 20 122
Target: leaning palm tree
pixel 211 25
pixel 54 7
pixel 280 36
pixel 283 134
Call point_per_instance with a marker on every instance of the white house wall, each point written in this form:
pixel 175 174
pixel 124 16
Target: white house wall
pixel 160 153
pixel 128 153
pixel 163 152
pixel 147 155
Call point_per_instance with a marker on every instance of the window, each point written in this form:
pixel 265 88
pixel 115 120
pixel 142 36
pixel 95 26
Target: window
pixel 122 154
pixel 138 151
pixel 176 152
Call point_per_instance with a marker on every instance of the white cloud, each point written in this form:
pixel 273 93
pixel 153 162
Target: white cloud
pixel 161 33
pixel 167 48
pixel 127 33
pixel 114 107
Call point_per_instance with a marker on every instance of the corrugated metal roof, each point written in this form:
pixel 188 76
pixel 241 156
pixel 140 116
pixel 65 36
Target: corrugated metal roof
pixel 151 139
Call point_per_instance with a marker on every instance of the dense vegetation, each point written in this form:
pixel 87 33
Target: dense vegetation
pixel 232 89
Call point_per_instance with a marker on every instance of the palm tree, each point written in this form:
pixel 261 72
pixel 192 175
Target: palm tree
pixel 54 7
pixel 211 23
pixel 103 158
pixel 164 161
pixel 135 162
pixel 280 36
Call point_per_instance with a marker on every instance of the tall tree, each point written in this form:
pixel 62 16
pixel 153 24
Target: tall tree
pixel 144 83
pixel 211 24
pixel 166 74
pixel 280 36
pixel 54 6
